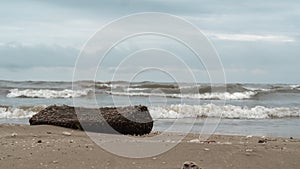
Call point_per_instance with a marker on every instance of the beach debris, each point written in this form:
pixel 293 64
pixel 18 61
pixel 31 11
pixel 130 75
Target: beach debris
pixel 271 139
pixel 66 133
pixel 249 136
pixel 201 141
pixel 190 165
pixel 14 134
pixel 226 143
pixel 132 120
pixel 262 140
pixel 194 141
pixel 208 141
pixel 206 149
pixel 282 148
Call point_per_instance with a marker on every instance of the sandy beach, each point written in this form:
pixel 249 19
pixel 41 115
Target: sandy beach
pixel 27 147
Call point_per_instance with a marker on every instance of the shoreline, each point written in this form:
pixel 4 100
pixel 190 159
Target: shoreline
pixel 42 146
pixel 285 128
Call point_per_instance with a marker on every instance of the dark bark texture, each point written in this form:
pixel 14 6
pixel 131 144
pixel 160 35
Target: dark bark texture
pixel 133 120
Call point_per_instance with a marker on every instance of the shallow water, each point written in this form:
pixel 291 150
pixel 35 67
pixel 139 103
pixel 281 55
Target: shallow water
pixel 245 109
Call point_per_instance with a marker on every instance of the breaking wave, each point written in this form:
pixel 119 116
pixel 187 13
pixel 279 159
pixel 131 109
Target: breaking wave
pixel 180 111
pixel 7 112
pixel 227 111
pixel 46 93
pixel 204 96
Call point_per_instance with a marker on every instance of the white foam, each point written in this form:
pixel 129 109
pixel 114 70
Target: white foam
pixel 19 112
pixel 104 85
pixel 227 111
pixel 135 89
pixel 257 89
pixel 295 87
pixel 204 96
pixel 46 93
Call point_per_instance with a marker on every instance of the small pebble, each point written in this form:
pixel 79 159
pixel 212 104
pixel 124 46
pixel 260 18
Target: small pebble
pixel 14 134
pixel 262 141
pixel 206 149
pixel 228 143
pixel 66 133
pixel 39 141
pixel 190 165
pixel 194 141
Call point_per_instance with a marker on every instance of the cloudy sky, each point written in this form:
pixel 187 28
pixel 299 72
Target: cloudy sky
pixel 258 41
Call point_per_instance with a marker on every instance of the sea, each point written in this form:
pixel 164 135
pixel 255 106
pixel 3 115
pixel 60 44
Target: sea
pixel 229 109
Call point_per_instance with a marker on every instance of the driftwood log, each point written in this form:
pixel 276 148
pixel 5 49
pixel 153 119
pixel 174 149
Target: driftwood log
pixel 133 120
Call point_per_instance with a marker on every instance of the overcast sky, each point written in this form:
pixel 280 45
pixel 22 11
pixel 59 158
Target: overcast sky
pixel 258 41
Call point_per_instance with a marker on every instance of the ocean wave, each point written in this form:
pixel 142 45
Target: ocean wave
pixel 46 93
pixel 204 96
pixel 7 112
pixel 257 89
pixel 179 111
pixel 295 87
pixel 227 111
pixel 154 86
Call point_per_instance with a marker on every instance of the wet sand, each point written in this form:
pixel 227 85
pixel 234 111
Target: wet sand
pixel 28 147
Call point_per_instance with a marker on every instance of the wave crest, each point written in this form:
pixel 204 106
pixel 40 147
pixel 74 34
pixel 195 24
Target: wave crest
pixel 46 93
pixel 227 111
pixel 204 96
pixel 7 112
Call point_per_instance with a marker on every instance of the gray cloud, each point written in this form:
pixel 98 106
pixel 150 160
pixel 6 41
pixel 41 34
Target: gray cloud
pixel 258 41
pixel 18 56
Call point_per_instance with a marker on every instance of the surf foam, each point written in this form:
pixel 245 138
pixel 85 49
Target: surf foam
pixel 204 96
pixel 7 112
pixel 46 93
pixel 227 111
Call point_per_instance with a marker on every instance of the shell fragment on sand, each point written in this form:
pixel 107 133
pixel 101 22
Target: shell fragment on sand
pixel 66 133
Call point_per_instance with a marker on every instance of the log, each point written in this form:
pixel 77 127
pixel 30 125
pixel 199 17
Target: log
pixel 132 120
